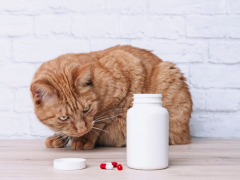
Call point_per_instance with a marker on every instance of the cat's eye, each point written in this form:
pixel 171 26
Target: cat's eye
pixel 86 109
pixel 63 118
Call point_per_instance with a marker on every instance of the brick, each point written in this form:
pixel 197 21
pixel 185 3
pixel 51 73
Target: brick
pixel 213 26
pixel 7 99
pixel 41 50
pixel 5 50
pixel 14 125
pixel 83 6
pixel 215 76
pixel 165 27
pixel 23 101
pixel 101 44
pixel 198 98
pixel 187 7
pixel 95 26
pixel 234 127
pixel 37 129
pixel 126 6
pixel 46 6
pixel 47 25
pixel 224 52
pixel 214 126
pixel 233 6
pixel 11 6
pixel 132 27
pixel 175 51
pixel 16 75
pixel 15 25
pixel 222 100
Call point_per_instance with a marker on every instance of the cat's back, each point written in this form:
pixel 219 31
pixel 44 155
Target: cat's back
pixel 71 60
pixel 145 56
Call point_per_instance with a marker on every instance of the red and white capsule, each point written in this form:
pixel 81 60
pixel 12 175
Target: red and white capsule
pixel 113 163
pixel 108 166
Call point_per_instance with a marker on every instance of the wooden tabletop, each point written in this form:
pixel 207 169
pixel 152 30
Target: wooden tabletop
pixel 202 159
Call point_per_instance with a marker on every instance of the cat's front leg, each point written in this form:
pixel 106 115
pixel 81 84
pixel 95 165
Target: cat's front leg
pixel 88 140
pixel 82 143
pixel 56 141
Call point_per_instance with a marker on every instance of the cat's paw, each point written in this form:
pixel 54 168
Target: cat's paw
pixel 56 142
pixel 80 143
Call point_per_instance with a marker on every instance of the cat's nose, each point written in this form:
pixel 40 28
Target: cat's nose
pixel 80 127
pixel 81 132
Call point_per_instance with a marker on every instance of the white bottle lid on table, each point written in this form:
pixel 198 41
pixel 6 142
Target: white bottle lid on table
pixel 69 163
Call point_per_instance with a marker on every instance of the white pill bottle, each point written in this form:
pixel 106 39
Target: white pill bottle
pixel 147 133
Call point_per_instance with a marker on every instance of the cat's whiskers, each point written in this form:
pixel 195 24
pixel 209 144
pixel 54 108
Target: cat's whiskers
pixel 100 129
pixel 101 117
pixel 61 139
pixel 58 132
pixel 54 137
pixel 110 110
pixel 105 118
pixel 66 142
pixel 98 135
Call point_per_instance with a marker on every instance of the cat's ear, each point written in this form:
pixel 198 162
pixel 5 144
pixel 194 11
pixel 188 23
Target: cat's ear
pixel 84 76
pixel 42 93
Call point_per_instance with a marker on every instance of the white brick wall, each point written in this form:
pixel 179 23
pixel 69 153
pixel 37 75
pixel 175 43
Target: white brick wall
pixel 201 36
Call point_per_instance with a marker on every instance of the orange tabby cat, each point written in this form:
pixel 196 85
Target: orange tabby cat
pixel 85 97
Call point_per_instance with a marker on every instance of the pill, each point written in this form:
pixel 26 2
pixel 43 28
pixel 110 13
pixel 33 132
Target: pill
pixel 113 163
pixel 119 167
pixel 106 166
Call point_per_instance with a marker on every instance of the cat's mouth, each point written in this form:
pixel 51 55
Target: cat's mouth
pixel 79 134
pixel 76 134
pixel 82 133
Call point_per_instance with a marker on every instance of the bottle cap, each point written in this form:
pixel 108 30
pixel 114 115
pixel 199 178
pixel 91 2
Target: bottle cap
pixel 69 163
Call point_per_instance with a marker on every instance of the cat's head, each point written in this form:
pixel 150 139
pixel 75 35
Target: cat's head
pixel 64 97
